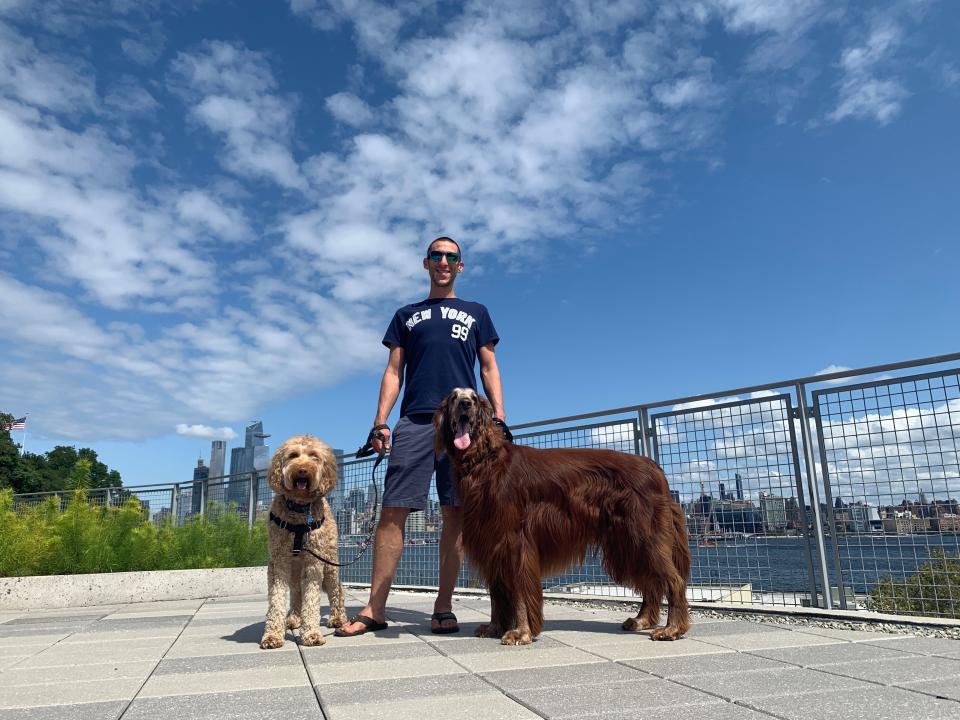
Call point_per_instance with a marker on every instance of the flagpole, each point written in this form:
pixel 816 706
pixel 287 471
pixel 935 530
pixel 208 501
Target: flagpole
pixel 23 442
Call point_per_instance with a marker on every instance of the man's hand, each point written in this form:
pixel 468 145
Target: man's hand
pixel 382 446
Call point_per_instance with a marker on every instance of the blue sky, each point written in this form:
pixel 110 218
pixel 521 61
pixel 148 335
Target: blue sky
pixel 209 214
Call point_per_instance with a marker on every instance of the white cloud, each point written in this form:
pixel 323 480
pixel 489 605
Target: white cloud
pixel 862 93
pixel 232 92
pixel 349 109
pixel 206 432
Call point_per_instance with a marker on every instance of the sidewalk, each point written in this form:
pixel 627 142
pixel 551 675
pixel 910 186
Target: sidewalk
pixel 201 659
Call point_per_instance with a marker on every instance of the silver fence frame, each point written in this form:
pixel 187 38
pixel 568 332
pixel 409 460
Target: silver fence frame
pixel 829 578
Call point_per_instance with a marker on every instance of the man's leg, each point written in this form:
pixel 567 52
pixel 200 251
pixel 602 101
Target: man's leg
pixel 451 558
pixel 387 549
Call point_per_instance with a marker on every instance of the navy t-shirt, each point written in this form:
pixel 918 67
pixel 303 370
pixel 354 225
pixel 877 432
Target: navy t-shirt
pixel 440 338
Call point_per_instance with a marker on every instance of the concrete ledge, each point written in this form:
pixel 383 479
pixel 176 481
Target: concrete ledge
pixel 58 591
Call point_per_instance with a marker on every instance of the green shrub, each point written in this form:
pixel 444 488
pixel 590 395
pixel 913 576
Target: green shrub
pixel 933 591
pixel 85 538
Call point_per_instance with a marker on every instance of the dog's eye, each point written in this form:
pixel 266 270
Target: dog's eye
pixel 294 454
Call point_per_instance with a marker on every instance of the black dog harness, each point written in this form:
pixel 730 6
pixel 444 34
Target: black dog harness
pixel 298 530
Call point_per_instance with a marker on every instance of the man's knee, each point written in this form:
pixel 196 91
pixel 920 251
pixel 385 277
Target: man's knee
pixel 393 516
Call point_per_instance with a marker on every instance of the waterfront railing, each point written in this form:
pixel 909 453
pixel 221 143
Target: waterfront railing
pixel 839 490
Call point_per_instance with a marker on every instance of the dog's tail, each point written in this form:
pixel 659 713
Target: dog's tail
pixel 681 548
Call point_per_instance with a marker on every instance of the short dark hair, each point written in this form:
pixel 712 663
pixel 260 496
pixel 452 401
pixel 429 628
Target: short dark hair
pixel 448 239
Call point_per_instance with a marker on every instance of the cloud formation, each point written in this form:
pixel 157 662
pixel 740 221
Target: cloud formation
pixel 206 432
pixel 171 224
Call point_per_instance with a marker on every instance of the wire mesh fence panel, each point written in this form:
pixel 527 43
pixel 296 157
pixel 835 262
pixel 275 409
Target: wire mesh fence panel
pixel 734 469
pixel 889 461
pixel 621 435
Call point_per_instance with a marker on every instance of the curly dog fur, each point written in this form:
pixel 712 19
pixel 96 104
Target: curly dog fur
pixel 304 470
pixel 530 513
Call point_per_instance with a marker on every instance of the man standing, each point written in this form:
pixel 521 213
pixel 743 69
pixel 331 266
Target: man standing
pixel 434 345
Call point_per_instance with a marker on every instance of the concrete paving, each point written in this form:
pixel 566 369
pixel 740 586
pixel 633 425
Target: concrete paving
pixel 201 659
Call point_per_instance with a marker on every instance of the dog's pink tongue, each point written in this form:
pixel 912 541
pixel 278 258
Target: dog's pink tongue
pixel 462 440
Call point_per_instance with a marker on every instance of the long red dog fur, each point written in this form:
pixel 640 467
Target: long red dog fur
pixel 531 513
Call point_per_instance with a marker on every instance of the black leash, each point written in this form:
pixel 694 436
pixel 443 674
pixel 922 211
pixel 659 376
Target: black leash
pixel 365 451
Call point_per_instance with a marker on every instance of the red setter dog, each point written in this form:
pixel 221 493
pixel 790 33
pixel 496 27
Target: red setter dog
pixel 530 513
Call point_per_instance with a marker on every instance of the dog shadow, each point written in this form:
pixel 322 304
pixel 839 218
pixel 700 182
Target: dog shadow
pixel 247 634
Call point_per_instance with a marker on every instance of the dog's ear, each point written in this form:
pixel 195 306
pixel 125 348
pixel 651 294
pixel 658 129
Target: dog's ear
pixel 275 474
pixel 441 428
pixel 329 474
pixel 490 434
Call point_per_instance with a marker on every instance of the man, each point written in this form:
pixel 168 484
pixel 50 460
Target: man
pixel 434 345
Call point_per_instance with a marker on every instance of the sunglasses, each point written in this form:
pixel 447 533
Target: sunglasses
pixel 452 257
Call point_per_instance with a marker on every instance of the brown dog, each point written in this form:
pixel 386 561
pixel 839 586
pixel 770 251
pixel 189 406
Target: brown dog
pixel 530 513
pixel 303 470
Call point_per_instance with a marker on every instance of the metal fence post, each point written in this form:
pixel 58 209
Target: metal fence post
pixel 828 495
pixel 204 493
pixel 175 503
pixel 644 425
pixel 252 499
pixel 808 461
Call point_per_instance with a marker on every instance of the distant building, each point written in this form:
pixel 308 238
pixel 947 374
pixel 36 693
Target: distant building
pixel 218 456
pixel 200 473
pixel 254 455
pixel 773 511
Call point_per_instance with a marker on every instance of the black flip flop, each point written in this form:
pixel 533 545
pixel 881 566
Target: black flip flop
pixel 440 617
pixel 369 625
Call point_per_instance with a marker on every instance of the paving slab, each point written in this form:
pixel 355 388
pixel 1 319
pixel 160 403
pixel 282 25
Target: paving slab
pixel 481 707
pixel 269 704
pixel 824 655
pixel 714 711
pixel 618 696
pixel 705 664
pixel 628 648
pixel 197 683
pixel 893 671
pixel 109 710
pixel 765 640
pixel 873 703
pixel 97 653
pixel 595 673
pixel 78 673
pixel 738 686
pixel 69 693
pixel 923 645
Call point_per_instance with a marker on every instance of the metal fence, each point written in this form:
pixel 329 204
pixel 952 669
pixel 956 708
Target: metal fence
pixel 815 491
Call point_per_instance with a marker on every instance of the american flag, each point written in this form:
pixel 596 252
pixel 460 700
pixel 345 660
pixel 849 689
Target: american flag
pixel 18 424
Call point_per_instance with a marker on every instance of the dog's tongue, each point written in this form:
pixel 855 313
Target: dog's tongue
pixel 462 439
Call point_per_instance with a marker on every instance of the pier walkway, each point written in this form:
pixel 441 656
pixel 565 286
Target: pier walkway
pixel 201 659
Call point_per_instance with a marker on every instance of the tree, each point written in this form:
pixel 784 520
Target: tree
pixel 9 456
pixel 80 475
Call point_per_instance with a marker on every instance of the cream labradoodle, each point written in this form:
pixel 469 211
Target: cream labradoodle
pixel 302 472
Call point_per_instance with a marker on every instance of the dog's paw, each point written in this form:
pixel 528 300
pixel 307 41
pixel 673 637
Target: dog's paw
pixel 516 637
pixel 270 641
pixel 293 621
pixel 312 637
pixel 487 630
pixel 634 624
pixel 666 633
pixel 337 621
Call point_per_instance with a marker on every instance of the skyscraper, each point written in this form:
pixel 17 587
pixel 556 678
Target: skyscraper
pixel 218 456
pixel 254 455
pixel 216 487
pixel 200 473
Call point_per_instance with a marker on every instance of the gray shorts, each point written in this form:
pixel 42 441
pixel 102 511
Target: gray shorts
pixel 412 462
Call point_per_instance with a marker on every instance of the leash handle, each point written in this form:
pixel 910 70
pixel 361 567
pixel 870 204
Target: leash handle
pixel 375 434
pixel 504 428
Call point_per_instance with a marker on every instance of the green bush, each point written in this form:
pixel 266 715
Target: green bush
pixel 933 591
pixel 83 538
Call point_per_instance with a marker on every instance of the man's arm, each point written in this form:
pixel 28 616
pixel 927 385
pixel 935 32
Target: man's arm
pixel 389 392
pixel 490 376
